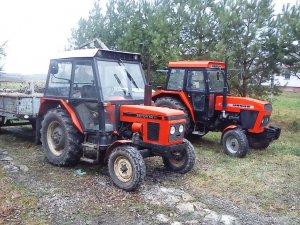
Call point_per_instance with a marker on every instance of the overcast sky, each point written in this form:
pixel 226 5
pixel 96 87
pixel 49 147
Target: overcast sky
pixel 37 29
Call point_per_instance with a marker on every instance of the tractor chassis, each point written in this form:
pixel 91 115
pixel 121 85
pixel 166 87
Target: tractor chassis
pixel 160 150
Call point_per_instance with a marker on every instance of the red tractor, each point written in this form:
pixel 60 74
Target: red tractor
pixel 200 89
pixel 92 110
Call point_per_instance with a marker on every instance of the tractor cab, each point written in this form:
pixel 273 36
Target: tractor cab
pixel 95 82
pixel 197 79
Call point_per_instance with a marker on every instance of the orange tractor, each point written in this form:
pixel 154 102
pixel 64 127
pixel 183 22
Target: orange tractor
pixel 92 110
pixel 200 89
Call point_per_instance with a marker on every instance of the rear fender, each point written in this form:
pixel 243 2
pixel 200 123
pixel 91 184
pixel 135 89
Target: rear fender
pixel 47 104
pixel 114 145
pixel 178 94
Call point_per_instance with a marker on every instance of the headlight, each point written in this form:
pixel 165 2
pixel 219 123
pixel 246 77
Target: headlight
pixel 172 130
pixel 180 129
pixel 268 107
pixel 265 121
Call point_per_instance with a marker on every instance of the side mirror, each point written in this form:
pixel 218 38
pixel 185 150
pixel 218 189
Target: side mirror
pixel 218 75
pixel 53 67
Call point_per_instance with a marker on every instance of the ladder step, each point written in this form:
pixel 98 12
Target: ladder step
pixel 198 133
pixel 92 161
pixel 89 145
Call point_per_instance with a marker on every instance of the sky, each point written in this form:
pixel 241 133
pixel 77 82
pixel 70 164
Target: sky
pixel 37 29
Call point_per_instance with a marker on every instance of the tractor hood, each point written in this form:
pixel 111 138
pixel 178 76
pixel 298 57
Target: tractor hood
pixel 235 104
pixel 150 112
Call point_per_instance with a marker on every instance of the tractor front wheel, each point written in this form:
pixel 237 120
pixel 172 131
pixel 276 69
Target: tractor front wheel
pixel 60 139
pixel 126 167
pixel 235 143
pixel 181 162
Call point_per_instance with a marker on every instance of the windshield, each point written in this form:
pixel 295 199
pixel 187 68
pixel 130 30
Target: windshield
pixel 215 80
pixel 121 81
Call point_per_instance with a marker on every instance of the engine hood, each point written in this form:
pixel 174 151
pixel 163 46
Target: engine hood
pixel 235 104
pixel 151 112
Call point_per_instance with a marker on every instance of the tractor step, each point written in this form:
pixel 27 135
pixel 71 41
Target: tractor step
pixel 90 152
pixel 198 133
pixel 88 145
pixel 92 161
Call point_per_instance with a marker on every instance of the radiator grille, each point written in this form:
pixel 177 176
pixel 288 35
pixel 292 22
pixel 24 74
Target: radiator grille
pixel 153 131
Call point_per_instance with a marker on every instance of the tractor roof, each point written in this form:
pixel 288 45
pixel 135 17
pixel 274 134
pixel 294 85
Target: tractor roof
pixel 89 53
pixel 196 64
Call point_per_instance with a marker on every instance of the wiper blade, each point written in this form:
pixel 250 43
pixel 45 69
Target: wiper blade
pixel 128 74
pixel 120 83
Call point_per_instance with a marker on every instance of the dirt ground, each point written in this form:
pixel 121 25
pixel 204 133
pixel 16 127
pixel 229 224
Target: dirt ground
pixel 32 191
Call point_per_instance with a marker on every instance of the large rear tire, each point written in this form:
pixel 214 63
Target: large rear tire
pixel 60 138
pixel 181 162
pixel 126 167
pixel 235 143
pixel 173 103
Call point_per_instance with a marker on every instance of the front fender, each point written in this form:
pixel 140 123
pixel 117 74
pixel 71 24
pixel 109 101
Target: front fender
pixel 114 145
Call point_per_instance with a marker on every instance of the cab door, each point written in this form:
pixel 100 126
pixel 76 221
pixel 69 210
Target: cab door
pixel 84 94
pixel 196 90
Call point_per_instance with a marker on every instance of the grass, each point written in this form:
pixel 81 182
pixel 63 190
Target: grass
pixel 265 181
pixel 17 206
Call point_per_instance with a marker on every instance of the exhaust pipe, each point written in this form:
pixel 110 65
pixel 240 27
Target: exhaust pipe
pixel 148 89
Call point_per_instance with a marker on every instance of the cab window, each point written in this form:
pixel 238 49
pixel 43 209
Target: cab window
pixel 215 80
pixel 59 83
pixel 195 81
pixel 84 84
pixel 176 79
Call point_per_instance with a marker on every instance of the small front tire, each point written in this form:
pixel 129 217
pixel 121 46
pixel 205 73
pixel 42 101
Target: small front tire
pixel 181 162
pixel 235 143
pixel 126 167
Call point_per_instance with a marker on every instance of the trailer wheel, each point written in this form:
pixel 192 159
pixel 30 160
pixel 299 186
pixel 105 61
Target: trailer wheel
pixel 181 162
pixel 173 103
pixel 235 143
pixel 126 167
pixel 60 139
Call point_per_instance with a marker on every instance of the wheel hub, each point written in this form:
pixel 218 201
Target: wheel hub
pixel 123 169
pixel 232 144
pixel 178 159
pixel 55 138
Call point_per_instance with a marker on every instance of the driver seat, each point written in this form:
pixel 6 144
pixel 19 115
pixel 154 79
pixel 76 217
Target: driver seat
pixel 88 91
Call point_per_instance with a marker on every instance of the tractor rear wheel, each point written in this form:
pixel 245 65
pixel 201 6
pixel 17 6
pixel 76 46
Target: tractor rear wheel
pixel 60 139
pixel 126 167
pixel 173 103
pixel 181 162
pixel 235 143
